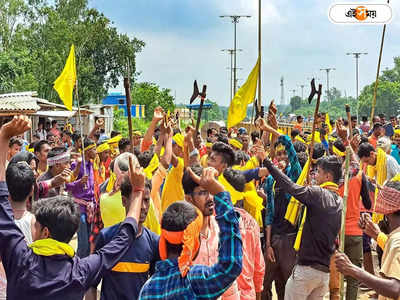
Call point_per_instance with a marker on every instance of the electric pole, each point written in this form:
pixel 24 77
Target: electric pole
pixel 302 90
pixel 357 55
pixel 231 53
pixel 327 80
pixel 283 102
pixel 235 20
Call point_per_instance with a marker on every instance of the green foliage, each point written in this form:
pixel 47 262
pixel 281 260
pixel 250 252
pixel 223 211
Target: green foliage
pixel 215 113
pixel 120 123
pixel 152 96
pixel 35 38
pixel 335 107
pixel 388 93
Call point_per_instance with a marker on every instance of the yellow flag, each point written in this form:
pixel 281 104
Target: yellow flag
pixel 328 123
pixel 243 97
pixel 64 84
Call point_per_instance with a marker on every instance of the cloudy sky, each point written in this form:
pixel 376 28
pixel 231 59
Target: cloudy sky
pixel 184 39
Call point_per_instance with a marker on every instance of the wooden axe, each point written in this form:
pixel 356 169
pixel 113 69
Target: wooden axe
pixel 202 98
pixel 310 98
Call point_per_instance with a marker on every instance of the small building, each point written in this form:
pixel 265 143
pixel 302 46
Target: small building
pixel 118 100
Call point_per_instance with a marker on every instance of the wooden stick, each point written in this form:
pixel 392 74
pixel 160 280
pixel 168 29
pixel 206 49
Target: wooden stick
pixel 343 226
pixel 127 86
pixel 313 132
pixel 377 74
pixel 349 119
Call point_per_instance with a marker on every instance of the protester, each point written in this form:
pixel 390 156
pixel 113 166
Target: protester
pixel 41 151
pixel 48 268
pixel 14 146
pixel 54 130
pixel 180 242
pixel 388 284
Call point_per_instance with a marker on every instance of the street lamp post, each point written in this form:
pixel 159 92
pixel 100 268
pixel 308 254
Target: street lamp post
pixel 357 55
pixel 231 52
pixel 302 90
pixel 235 20
pixel 327 80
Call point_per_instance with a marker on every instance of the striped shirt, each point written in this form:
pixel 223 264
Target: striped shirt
pixel 202 282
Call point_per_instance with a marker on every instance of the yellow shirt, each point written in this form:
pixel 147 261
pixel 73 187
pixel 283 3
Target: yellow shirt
pixel 391 258
pixel 173 189
pixel 111 209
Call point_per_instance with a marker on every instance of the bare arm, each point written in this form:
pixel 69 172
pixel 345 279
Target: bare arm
pixel 158 115
pixel 167 157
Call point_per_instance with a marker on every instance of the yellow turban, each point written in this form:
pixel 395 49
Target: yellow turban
pixel 235 143
pixel 115 139
pixel 103 147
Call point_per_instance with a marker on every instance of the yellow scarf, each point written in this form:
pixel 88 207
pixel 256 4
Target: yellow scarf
pixel 379 171
pixel 153 165
pixel 303 219
pixel 50 247
pixel 293 209
pixel 328 123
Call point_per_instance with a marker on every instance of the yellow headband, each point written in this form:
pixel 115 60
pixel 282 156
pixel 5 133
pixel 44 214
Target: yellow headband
pixel 137 132
pixel 103 147
pixel 298 138
pixel 89 147
pixel 338 152
pixel 115 139
pixel 397 132
pixel 235 143
pixel 178 139
pixel 209 145
pixel 153 165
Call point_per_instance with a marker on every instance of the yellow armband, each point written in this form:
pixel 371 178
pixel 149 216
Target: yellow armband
pixel 381 240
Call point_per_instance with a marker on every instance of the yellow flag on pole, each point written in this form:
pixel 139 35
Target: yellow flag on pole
pixel 64 84
pixel 243 97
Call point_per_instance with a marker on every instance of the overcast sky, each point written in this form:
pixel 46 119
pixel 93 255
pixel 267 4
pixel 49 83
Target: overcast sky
pixel 184 39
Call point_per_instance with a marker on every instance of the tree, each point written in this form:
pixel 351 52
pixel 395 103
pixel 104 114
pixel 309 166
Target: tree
pixel 150 95
pixel 35 38
pixel 333 94
pixel 215 113
pixel 295 102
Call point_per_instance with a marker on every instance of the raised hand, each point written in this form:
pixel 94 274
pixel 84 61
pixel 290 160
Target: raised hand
pixel 341 130
pixel 18 125
pixel 208 180
pixel 158 114
pixel 368 226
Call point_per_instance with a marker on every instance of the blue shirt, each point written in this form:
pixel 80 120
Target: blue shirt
pixel 396 153
pixel 277 199
pixel 202 282
pixel 125 280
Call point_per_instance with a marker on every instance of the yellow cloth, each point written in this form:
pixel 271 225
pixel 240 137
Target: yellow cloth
pixel 89 147
pixel 203 161
pixel 338 152
pixel 381 240
pixel 235 143
pixel 102 148
pixel 379 172
pixel 153 165
pixel 235 195
pixel 173 190
pixel 293 209
pixel 209 145
pixel 178 139
pixel 253 204
pixel 152 222
pixel 65 83
pixel 50 247
pixel 244 96
pixel 303 219
pixel 111 182
pixel 298 138
pixel 111 209
pixel 328 123
pixel 115 139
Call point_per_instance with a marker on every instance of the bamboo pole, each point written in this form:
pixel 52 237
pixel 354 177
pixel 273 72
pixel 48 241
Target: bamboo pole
pixel 343 226
pixel 259 56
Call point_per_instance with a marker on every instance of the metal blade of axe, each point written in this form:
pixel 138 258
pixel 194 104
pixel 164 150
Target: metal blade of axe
pixel 195 92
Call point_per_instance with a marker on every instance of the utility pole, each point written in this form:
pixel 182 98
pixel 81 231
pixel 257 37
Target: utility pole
pixel 302 90
pixel 357 55
pixel 235 20
pixel 283 102
pixel 293 91
pixel 327 80
pixel 231 53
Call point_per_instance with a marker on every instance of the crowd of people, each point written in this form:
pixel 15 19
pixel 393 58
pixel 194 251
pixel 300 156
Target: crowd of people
pixel 167 214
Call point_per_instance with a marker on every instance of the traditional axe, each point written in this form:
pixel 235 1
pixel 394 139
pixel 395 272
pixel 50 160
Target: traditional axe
pixel 310 98
pixel 202 98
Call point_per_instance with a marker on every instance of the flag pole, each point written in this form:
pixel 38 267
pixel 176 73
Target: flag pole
pixel 80 128
pixel 259 56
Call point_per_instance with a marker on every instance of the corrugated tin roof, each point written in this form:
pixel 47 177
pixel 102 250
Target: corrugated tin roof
pixel 18 102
